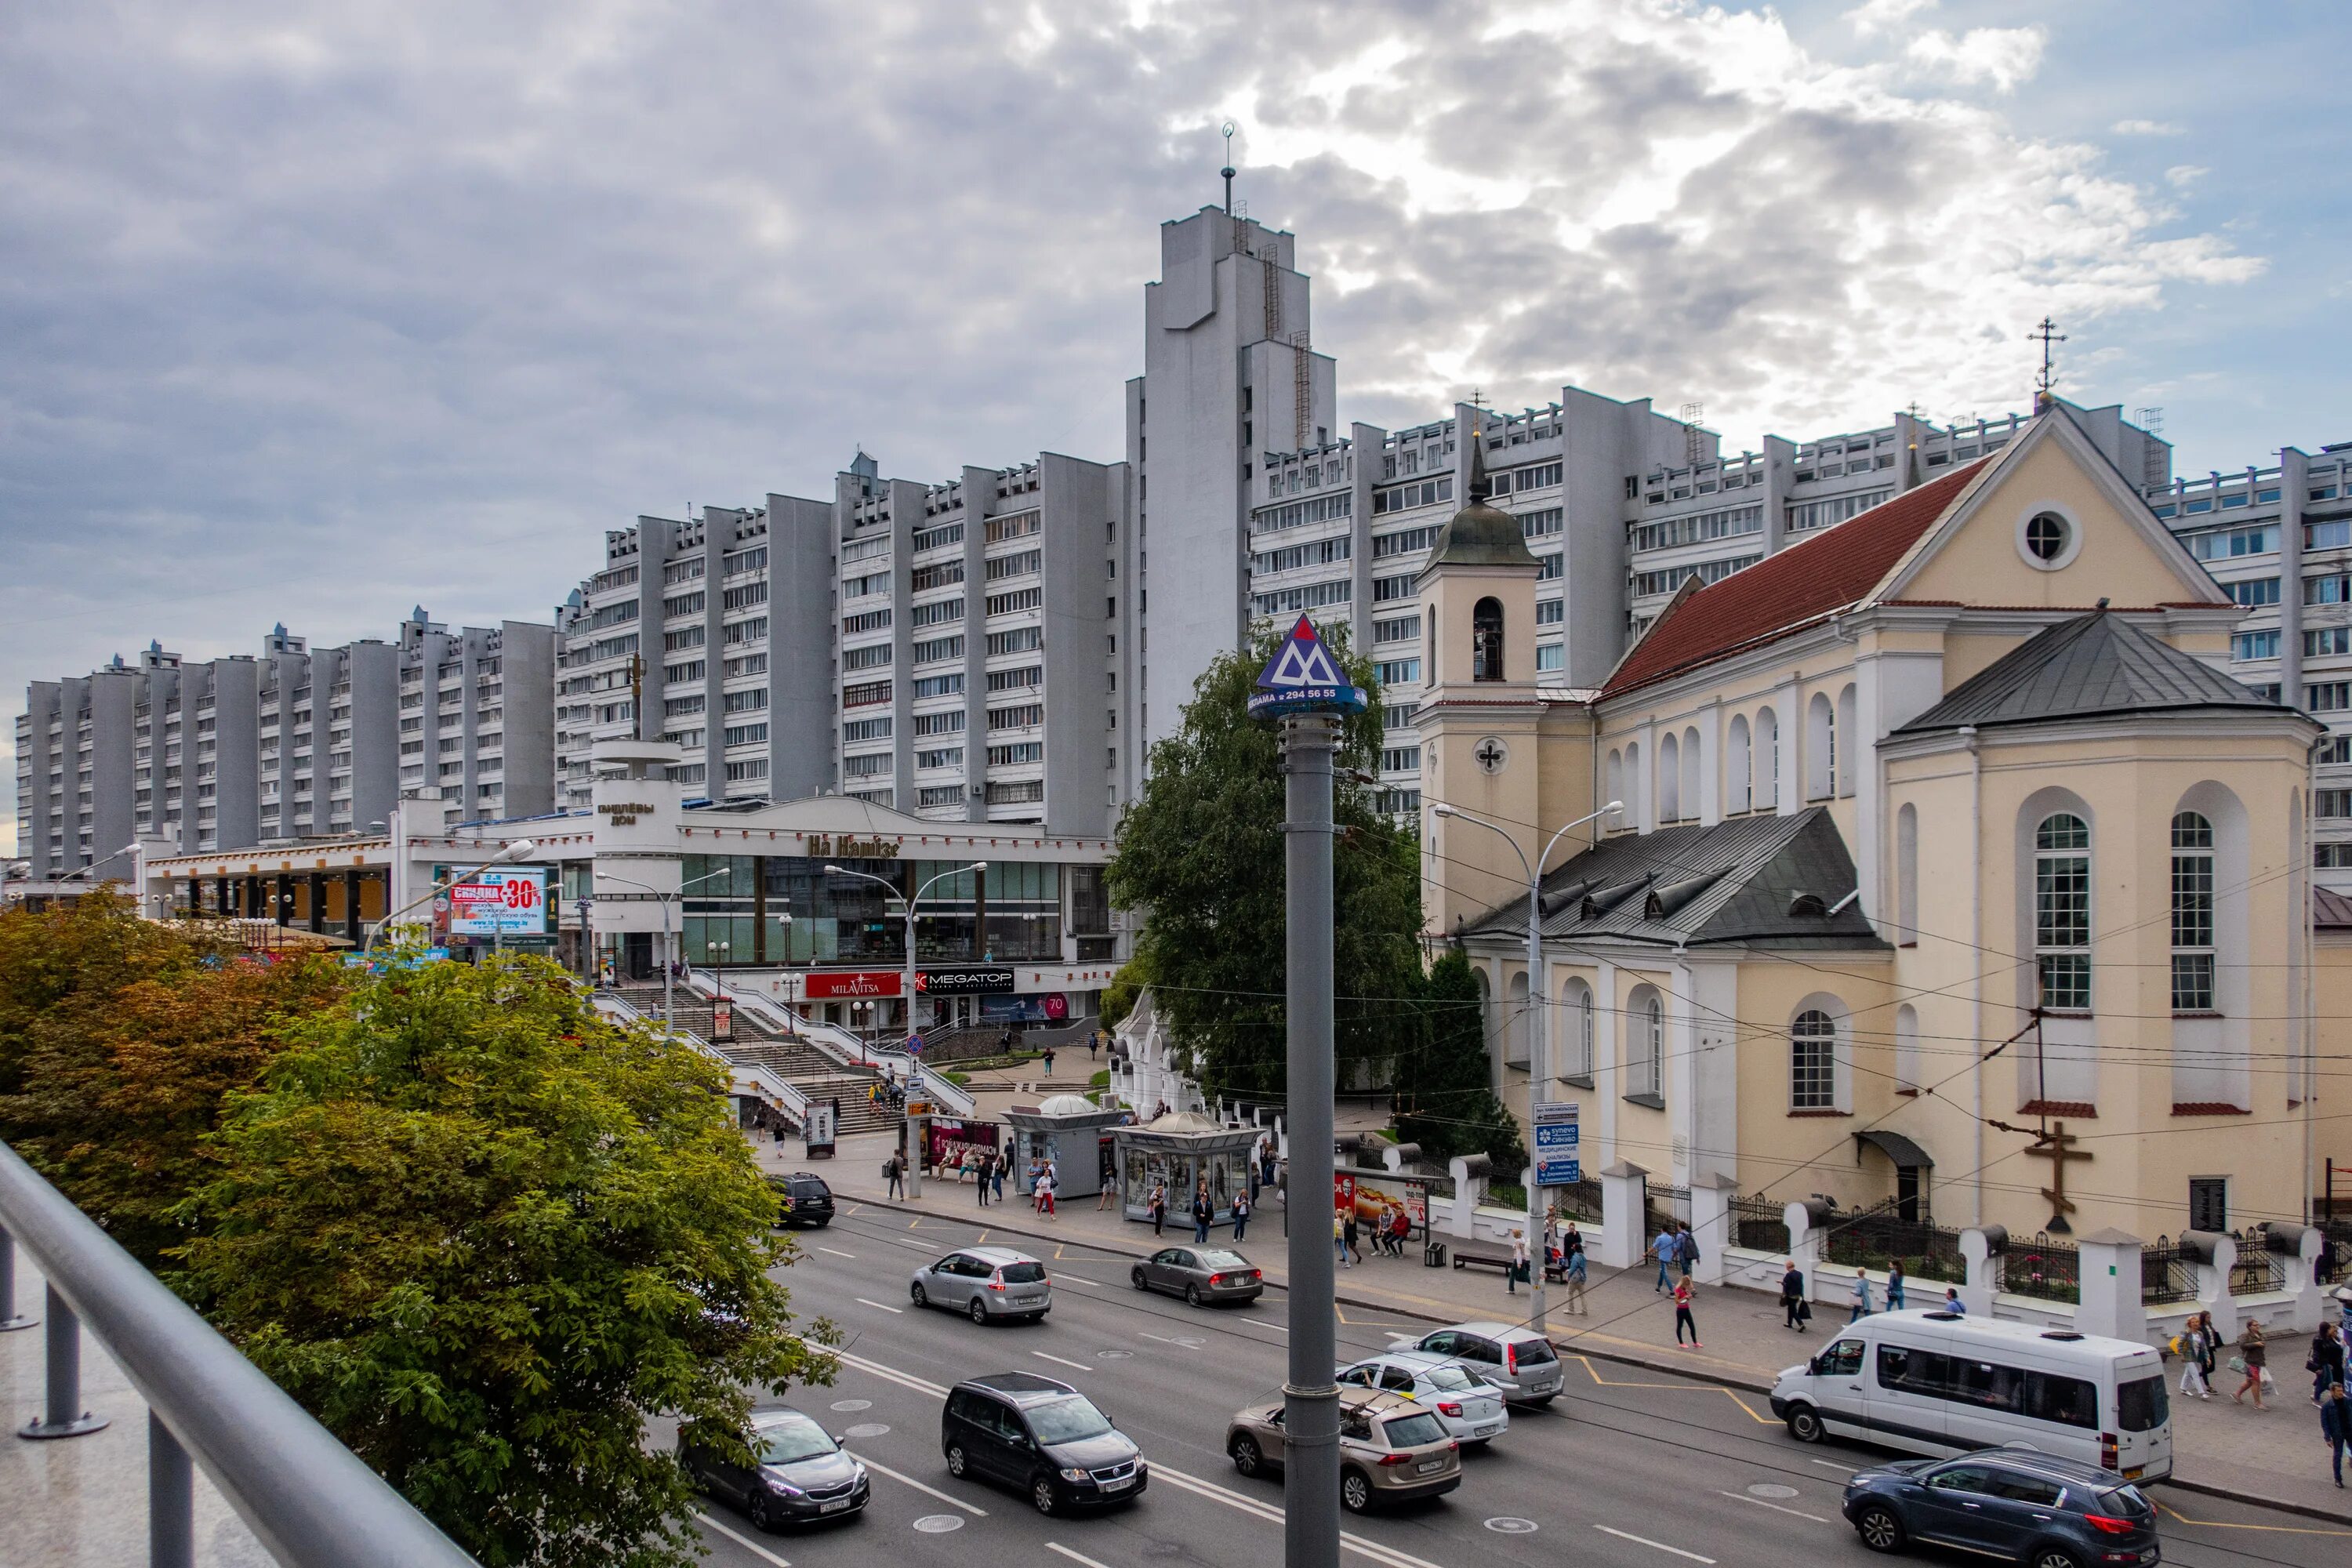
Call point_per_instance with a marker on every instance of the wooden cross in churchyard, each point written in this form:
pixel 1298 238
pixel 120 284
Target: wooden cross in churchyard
pixel 2057 1146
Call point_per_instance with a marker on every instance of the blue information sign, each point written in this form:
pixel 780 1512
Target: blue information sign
pixel 1303 677
pixel 1557 1146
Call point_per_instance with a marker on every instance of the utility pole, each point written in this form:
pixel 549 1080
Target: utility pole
pixel 1306 688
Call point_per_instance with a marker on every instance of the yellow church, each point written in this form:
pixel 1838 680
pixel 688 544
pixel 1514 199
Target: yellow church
pixel 1950 872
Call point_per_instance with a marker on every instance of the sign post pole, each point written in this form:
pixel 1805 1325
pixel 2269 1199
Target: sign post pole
pixel 1306 688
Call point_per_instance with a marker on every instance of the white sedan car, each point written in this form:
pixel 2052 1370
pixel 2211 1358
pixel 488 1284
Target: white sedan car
pixel 1471 1409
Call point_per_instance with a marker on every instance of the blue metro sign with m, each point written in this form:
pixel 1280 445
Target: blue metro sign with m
pixel 1303 677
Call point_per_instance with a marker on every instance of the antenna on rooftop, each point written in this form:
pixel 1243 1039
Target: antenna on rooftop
pixel 2045 334
pixel 1227 129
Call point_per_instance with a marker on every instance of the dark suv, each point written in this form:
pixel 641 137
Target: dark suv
pixel 2034 1509
pixel 1042 1438
pixel 802 1201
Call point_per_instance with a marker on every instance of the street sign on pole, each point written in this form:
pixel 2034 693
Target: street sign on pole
pixel 1557 1145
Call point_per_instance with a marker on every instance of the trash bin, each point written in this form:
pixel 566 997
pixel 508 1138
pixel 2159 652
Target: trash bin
pixel 1433 1255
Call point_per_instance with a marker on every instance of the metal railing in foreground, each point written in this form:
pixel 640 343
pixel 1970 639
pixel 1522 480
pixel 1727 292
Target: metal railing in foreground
pixel 312 1502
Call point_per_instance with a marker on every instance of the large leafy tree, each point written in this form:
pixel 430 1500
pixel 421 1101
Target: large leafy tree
pixel 484 1236
pixel 1201 852
pixel 119 1039
pixel 1445 1102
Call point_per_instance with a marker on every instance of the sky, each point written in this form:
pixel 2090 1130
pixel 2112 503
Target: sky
pixel 313 312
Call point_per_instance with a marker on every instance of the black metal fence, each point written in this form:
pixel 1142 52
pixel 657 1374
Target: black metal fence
pixel 2042 1266
pixel 1875 1237
pixel 1578 1200
pixel 1759 1223
pixel 2165 1276
pixel 1663 1208
pixel 2258 1268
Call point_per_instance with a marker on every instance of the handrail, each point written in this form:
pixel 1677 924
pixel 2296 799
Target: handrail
pixel 792 1095
pixel 307 1499
pixel 823 1036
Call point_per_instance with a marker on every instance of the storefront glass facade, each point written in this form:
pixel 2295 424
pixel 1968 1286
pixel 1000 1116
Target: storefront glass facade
pixel 841 920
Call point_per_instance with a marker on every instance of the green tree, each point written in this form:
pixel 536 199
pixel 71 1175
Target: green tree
pixel 119 1039
pixel 1118 997
pixel 1201 853
pixel 483 1236
pixel 1445 1101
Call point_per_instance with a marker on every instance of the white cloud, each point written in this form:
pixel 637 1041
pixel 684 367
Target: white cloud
pixel 2000 57
pixel 1874 18
pixel 2147 128
pixel 2183 176
pixel 365 307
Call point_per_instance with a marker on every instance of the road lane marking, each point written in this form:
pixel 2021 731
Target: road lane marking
pixel 1776 1508
pixel 1646 1541
pixel 1059 1360
pixel 838 1253
pixel 981 1237
pixel 2271 1528
pixel 1833 1465
pixel 1072 1556
pixel 905 1480
pixel 745 1541
pixel 1388 1556
pixel 891 1374
pixel 1695 1385
pixel 1163 1339
pixel 862 1301
pixel 1074 1279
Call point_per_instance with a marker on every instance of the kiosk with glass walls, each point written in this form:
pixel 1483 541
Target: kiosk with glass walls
pixel 1179 1152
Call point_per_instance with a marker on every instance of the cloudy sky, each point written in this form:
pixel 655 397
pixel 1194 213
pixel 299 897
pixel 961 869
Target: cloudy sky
pixel 313 312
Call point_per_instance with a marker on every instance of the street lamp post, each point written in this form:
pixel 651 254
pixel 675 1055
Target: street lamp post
pixel 137 850
pixel 514 851
pixel 1539 1019
pixel 664 900
pixel 906 993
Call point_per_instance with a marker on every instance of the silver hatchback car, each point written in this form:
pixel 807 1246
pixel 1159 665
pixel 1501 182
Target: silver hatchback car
pixel 1471 1409
pixel 984 1283
pixel 1516 1360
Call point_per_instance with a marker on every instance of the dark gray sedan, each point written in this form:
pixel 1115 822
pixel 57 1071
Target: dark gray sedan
pixel 1199 1274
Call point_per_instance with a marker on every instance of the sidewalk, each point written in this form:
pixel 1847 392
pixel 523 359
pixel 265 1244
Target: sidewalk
pixel 2273 1459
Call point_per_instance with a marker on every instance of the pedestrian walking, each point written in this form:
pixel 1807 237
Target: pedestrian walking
pixel 2253 1355
pixel 1664 1249
pixel 2336 1426
pixel 1352 1236
pixel 2326 1363
pixel 979 1185
pixel 1094 1038
pixel 1158 1206
pixel 1339 1240
pixel 1046 1184
pixel 1576 1277
pixel 1952 1304
pixel 1793 1310
pixel 998 1195
pixel 1203 1211
pixel 1241 1217
pixel 1551 1238
pixel 1049 1060
pixel 1682 1318
pixel 1895 1286
pixel 2209 1351
pixel 1861 1296
pixel 2192 1361
pixel 893 1174
pixel 1685 1249
pixel 1519 1261
pixel 1106 1188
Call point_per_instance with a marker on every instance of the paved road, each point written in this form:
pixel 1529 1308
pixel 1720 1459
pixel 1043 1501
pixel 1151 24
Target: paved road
pixel 1628 1470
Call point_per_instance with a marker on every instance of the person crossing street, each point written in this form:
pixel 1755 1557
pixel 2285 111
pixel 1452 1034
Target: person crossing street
pixel 1682 1318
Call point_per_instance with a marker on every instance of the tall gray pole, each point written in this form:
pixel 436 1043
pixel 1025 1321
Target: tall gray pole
pixel 914 1134
pixel 1310 1482
pixel 1539 1088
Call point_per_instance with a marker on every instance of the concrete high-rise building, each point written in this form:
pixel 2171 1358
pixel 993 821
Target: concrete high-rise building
pixel 944 648
pixel 298 743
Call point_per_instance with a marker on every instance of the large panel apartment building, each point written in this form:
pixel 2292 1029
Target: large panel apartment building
pixel 294 743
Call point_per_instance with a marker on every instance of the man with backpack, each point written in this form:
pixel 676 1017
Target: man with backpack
pixel 893 1173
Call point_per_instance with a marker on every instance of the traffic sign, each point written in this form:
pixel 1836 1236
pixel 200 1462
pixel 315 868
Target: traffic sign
pixel 1303 677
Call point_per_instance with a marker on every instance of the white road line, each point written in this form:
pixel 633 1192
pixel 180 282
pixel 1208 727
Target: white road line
pixel 1074 1279
pixel 877 1305
pixel 890 1374
pixel 1061 1360
pixel 745 1541
pixel 1776 1508
pixel 838 1253
pixel 1388 1556
pixel 1646 1541
pixel 1163 1339
pixel 1072 1556
pixel 1833 1465
pixel 973 1509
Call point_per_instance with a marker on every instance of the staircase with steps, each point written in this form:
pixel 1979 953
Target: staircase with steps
pixel 798 1063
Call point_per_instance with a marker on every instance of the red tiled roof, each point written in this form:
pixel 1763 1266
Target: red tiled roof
pixel 1793 588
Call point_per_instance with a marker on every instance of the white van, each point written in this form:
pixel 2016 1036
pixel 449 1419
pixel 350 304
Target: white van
pixel 1936 1382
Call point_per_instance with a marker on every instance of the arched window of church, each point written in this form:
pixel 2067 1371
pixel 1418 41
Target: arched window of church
pixel 1906 876
pixel 1848 761
pixel 1812 1061
pixel 1738 780
pixel 1821 748
pixel 1487 640
pixel 2192 913
pixel 2062 912
pixel 1646 1069
pixel 1670 787
pixel 1768 760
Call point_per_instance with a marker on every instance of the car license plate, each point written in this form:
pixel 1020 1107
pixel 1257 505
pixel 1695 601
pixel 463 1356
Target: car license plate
pixel 1119 1486
pixel 834 1507
pixel 2148 1555
pixel 2135 1472
pixel 1026 1301
pixel 1428 1465
pixel 1485 1431
pixel 1551 1387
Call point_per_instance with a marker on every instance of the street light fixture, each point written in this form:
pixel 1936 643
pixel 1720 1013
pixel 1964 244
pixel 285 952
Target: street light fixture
pixel 666 899
pixel 1538 1013
pixel 906 986
pixel 514 851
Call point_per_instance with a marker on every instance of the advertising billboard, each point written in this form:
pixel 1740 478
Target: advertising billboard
pixel 508 902
pixel 1557 1152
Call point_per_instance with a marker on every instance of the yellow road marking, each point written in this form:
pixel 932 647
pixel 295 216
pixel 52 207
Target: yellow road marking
pixel 2272 1529
pixel 1688 1387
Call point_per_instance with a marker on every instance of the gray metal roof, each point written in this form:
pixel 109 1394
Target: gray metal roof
pixel 2094 664
pixel 1737 881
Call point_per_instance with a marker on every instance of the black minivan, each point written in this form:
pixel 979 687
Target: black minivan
pixel 802 1200
pixel 1043 1438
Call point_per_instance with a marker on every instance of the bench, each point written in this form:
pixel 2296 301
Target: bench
pixel 1499 1260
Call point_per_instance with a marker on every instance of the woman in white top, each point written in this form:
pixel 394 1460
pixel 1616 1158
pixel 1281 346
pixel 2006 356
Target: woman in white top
pixel 1519 1259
